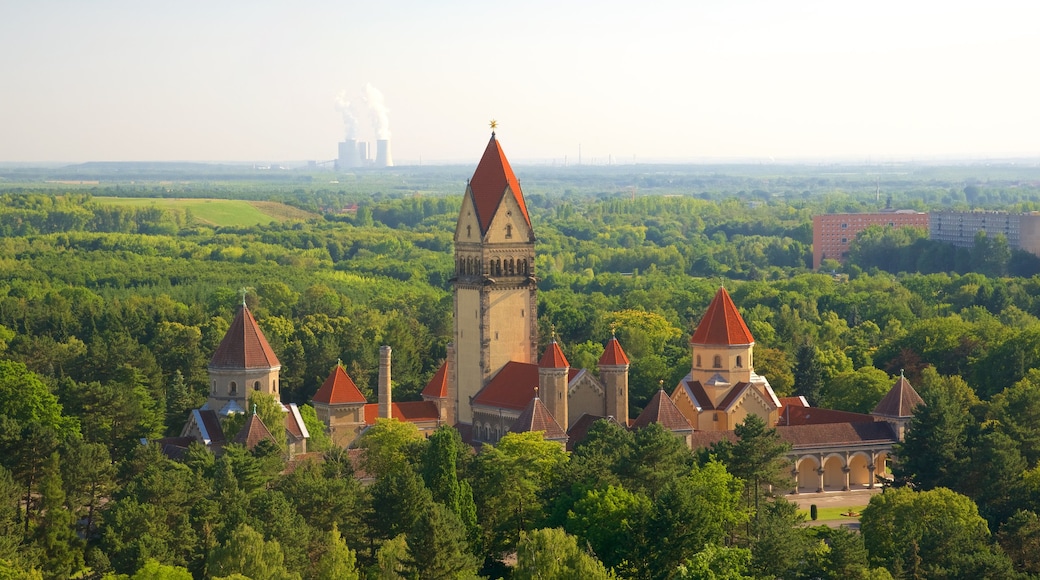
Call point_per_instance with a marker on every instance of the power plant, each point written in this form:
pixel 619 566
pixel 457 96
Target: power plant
pixel 354 154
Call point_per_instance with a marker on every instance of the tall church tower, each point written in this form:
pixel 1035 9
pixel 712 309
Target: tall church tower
pixel 494 285
pixel 243 362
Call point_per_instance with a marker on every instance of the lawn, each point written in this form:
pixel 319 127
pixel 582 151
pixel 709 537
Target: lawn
pixel 217 212
pixel 835 513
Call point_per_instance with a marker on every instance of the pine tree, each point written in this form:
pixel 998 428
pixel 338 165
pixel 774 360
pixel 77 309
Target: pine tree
pixel 55 536
pixel 808 373
pixel 338 562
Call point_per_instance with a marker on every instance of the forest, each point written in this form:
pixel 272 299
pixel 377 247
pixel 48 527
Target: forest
pixel 109 314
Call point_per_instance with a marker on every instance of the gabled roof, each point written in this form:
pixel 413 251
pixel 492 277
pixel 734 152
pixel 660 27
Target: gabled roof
pixel 407 411
pixel 513 386
pixel 437 388
pixel 804 436
pixel 662 410
pixel 613 354
pixel 900 400
pixel 338 389
pixel 244 346
pixel 536 417
pixel 492 178
pixel 553 358
pixel 722 324
pixel 699 398
pixel 253 432
pixel 294 424
pixel 734 395
pixel 209 427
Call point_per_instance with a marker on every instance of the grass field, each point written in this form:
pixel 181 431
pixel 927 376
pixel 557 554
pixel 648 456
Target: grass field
pixel 217 212
pixel 834 513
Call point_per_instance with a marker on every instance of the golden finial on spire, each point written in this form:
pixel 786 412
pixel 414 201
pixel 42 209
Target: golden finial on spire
pixel 613 329
pixel 494 125
pixel 552 330
pixel 536 391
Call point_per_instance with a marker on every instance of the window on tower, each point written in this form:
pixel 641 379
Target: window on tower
pixel 509 230
pixel 717 363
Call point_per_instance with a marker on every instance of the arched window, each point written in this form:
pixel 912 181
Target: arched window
pixel 214 388
pixel 509 230
pixel 740 362
pixel 717 363
pixel 468 230
pixel 233 389
pixel 487 432
pixel 256 385
pixel 698 361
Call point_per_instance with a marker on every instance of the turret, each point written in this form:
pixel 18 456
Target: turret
pixel 613 371
pixel 552 382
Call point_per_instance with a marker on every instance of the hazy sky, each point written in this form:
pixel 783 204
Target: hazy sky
pixel 636 79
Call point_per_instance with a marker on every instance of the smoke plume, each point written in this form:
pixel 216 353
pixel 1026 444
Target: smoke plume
pixel 346 109
pixel 380 114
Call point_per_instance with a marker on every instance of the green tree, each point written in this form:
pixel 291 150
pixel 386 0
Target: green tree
pixel 759 459
pixel 437 547
pixel 858 391
pixel 440 472
pixel 1016 410
pixel 808 373
pixel 614 522
pixel 399 500
pixel 933 452
pixel 153 570
pixel 717 563
pixel 387 445
pixel 338 561
pixel 552 553
pixel 1019 536
pixel 246 553
pixel 55 536
pixel 938 532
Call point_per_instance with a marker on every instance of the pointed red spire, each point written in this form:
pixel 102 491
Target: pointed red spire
pixel 722 324
pixel 553 358
pixel 899 401
pixel 244 346
pixel 489 183
pixel 536 417
pixel 438 385
pixel 338 389
pixel 661 409
pixel 613 354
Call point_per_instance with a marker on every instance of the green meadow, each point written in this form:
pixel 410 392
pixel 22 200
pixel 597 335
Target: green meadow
pixel 217 212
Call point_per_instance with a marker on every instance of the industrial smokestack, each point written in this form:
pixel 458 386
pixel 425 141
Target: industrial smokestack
pixel 385 404
pixel 348 154
pixel 383 158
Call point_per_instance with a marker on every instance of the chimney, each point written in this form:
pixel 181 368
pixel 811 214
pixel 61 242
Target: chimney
pixel 384 382
pixel 383 158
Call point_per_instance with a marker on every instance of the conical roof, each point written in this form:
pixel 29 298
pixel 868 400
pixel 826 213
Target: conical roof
pixel 244 346
pixel 900 400
pixel 491 180
pixel 722 324
pixel 553 358
pixel 536 417
pixel 338 389
pixel 613 354
pixel 661 409
pixel 438 385
pixel 253 432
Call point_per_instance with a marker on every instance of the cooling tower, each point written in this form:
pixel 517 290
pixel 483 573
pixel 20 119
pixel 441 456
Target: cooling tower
pixel 362 152
pixel 348 154
pixel 383 158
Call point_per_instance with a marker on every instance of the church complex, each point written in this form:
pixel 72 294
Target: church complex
pixel 495 381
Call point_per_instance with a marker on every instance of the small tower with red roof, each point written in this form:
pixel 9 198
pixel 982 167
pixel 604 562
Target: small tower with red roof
pixel 340 405
pixel 613 371
pixel 495 293
pixel 553 371
pixel 721 347
pixel 243 362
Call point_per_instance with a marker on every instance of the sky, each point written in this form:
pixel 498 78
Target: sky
pixel 611 81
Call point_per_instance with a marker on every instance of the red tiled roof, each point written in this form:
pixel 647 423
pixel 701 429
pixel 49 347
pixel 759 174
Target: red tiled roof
pixel 836 433
pixel 510 388
pixel 704 439
pixel 490 180
pixel 253 432
pixel 244 346
pixel 722 324
pixel 211 423
pixel 733 394
pixel 553 358
pixel 662 410
pixel 536 417
pixel 613 354
pixel 795 415
pixel 798 401
pixel 338 389
pixel 900 400
pixel 513 386
pixel 409 411
pixel 437 388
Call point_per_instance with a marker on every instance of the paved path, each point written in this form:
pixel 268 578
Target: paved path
pixel 859 497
